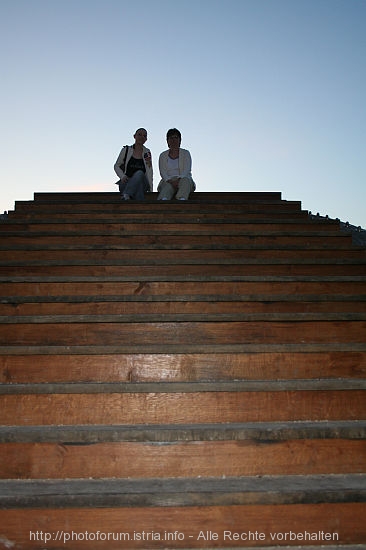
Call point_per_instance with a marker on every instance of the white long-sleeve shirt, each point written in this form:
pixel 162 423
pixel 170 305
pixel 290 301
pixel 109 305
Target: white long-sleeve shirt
pixel 185 165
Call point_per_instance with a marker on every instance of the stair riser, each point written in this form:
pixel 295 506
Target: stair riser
pixel 181 408
pixel 188 290
pixel 344 522
pixel 170 308
pixel 184 459
pixel 133 256
pixel 163 226
pixel 58 214
pixel 157 208
pixel 203 270
pixel 308 248
pixel 183 333
pixel 187 367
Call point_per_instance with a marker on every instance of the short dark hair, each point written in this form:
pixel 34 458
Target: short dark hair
pixel 173 132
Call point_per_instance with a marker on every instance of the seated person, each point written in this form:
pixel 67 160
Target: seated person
pixel 134 168
pixel 175 166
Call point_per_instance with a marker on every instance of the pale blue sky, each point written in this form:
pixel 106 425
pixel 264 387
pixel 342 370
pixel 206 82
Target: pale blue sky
pixel 268 94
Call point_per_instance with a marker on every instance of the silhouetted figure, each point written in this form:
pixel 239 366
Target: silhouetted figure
pixel 134 168
pixel 175 167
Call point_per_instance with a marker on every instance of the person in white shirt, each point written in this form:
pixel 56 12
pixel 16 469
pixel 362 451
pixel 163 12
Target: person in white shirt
pixel 175 167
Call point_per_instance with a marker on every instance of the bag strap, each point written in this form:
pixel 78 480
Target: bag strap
pixel 123 165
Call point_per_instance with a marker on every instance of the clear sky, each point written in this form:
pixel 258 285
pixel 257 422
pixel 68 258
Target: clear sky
pixel 270 95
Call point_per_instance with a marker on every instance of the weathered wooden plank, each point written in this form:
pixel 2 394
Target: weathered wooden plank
pixel 162 348
pixel 242 225
pixel 162 272
pixel 186 224
pixel 185 256
pixel 96 196
pixel 58 213
pixel 188 527
pixel 258 288
pixel 184 317
pixel 181 408
pixel 115 333
pixel 18 369
pixel 184 387
pixel 257 432
pixel 174 239
pixel 260 247
pixel 106 217
pixel 69 307
pixel 184 492
pixel 185 459
pixel 116 205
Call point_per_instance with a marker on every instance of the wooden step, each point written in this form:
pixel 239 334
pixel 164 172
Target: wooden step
pixel 200 451
pixel 339 525
pixel 167 309
pixel 198 196
pixel 169 257
pixel 185 492
pixel 294 243
pixel 113 332
pixel 181 408
pixel 255 432
pixel 203 273
pixel 308 229
pixel 29 368
pixel 257 288
pixel 195 459
pixel 116 205
pixel 58 215
pixel 198 317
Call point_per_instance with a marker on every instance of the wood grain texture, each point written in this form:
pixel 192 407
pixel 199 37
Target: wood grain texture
pixel 181 459
pixel 173 256
pixel 345 521
pixel 176 290
pixel 163 225
pixel 16 369
pixel 181 408
pixel 268 332
pixel 185 307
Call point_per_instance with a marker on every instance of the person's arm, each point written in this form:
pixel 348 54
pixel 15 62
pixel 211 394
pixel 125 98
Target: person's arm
pixel 185 164
pixel 163 166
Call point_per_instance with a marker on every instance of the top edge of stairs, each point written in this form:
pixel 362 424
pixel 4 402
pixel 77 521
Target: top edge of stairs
pixel 197 196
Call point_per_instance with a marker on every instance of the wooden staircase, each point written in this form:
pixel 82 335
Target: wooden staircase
pixel 180 375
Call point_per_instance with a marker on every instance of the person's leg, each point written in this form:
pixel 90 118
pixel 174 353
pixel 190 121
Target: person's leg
pixel 166 192
pixel 135 186
pixel 184 189
pixel 122 187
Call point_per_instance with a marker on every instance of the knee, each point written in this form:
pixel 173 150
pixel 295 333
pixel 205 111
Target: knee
pixel 139 174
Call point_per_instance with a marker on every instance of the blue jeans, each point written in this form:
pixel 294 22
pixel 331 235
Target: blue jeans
pixel 136 186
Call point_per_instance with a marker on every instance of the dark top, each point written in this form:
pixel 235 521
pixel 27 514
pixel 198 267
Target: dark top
pixel 134 165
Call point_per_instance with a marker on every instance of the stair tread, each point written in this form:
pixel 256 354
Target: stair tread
pixel 184 387
pixel 184 492
pixel 182 317
pixel 258 431
pixel 150 278
pixel 179 348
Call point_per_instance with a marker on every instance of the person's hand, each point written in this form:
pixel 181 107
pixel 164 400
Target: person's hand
pixel 147 157
pixel 124 179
